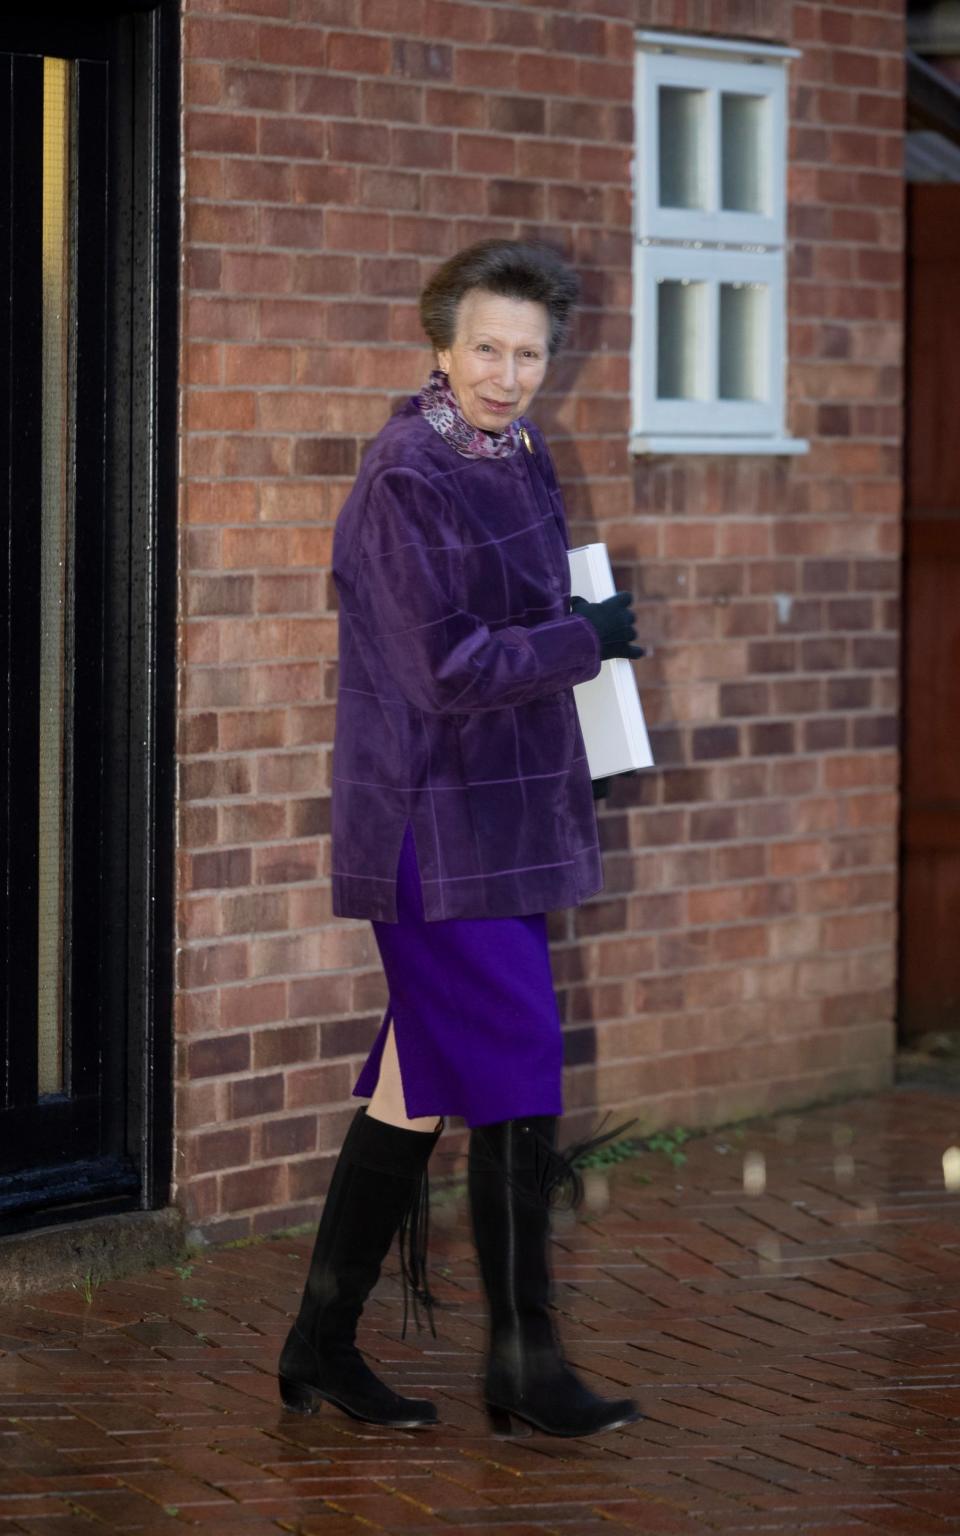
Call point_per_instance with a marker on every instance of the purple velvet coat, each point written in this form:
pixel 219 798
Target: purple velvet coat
pixel 455 710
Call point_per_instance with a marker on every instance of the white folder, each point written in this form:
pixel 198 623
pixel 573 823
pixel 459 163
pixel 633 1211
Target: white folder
pixel 611 716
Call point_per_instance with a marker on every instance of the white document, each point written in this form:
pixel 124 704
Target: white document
pixel 611 716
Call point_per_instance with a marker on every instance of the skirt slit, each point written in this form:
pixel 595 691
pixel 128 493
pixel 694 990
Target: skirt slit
pixel 473 1008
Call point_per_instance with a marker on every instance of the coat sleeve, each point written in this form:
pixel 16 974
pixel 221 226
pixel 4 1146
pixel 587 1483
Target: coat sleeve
pixel 442 658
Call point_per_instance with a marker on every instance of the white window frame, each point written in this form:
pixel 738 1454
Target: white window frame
pixel 711 245
pixel 708 416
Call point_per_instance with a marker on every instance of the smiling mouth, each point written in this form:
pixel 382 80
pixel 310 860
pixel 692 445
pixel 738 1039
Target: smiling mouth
pixel 501 405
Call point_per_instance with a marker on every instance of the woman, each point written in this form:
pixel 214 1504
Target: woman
pixel 462 813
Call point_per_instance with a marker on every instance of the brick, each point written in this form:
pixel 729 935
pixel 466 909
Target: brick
pixel 256 455
pixel 453 194
pixel 277 1047
pixel 421 60
pixel 203 268
pixel 357 322
pixel 310 817
pixel 607 81
pixel 796 695
pixel 257 181
pixel 203 363
pixel 357 232
pixel 348 1037
pixel 256 365
pixel 244 85
pixel 497 68
pixel 713 823
pixel 252 1188
pixel 287 592
pixel 572 119
pixel 517 114
pixel 426 237
pixel 572 34
pixel 770 737
pixel 515 199
pixel 203 82
pixel 301 47
pixel 323 275
pixel 221 868
pixel 198 733
pixel 209 964
pixel 826 575
pixel 516 28
pixel 218 1057
pixel 358 54
pixel 772 656
pixel 292 138
pixel 390 16
pixel 389 275
pixel 850 613
pixel 219 1149
pixel 427 149
pixel 326 456
pixel 325 95
pixel 485 153
pixel 744 698
pixel 391 101
pixel 203 180
pixel 318 1086
pixel 287 1137
pixel 365 143
pixel 711 741
pixel 220 410
pixel 230 133
pixel 455 109
pixel 223 319
pixel 876 731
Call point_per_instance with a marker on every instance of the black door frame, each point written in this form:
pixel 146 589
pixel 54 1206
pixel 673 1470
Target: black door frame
pixel 133 849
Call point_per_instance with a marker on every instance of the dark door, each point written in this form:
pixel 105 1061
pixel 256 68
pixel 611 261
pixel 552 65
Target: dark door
pixel 930 864
pixel 87 304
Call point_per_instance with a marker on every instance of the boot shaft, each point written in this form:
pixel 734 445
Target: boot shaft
pixel 380 1176
pixel 511 1228
pixel 513 1170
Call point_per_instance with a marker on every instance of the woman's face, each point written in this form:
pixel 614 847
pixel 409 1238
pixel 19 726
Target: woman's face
pixel 499 356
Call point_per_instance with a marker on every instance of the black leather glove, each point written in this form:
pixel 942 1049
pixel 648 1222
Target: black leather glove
pixel 614 622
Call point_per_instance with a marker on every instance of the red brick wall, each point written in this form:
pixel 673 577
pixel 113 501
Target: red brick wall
pixel 742 954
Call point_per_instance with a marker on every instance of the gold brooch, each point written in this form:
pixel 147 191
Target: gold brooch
pixel 525 438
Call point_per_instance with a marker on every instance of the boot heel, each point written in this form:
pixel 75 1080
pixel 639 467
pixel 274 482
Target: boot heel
pixel 504 1424
pixel 298 1396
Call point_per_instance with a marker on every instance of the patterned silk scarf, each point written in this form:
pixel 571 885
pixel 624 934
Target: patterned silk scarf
pixel 438 403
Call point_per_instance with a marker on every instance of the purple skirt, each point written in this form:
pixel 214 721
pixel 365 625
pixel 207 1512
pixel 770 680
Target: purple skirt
pixel 473 1008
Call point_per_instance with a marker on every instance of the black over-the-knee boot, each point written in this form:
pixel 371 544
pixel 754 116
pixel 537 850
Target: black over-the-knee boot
pixel 379 1187
pixel 512 1167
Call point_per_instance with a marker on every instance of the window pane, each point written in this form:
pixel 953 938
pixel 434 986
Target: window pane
pixel 54 551
pixel 743 153
pixel 683 148
pixel 681 318
pixel 743 341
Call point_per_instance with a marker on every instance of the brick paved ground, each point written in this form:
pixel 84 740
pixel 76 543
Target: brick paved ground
pixel 796 1351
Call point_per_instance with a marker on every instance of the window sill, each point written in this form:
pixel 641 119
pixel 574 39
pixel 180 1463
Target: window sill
pixel 659 443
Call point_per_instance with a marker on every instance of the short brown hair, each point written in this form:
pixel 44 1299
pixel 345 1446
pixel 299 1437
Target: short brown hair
pixel 515 269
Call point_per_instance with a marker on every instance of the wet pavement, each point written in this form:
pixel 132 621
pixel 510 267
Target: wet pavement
pixel 785 1304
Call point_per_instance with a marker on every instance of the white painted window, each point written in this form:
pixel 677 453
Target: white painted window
pixel 709 321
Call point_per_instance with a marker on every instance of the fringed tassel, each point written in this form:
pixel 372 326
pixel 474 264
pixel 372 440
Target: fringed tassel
pixel 556 1180
pixel 561 1184
pixel 414 1235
